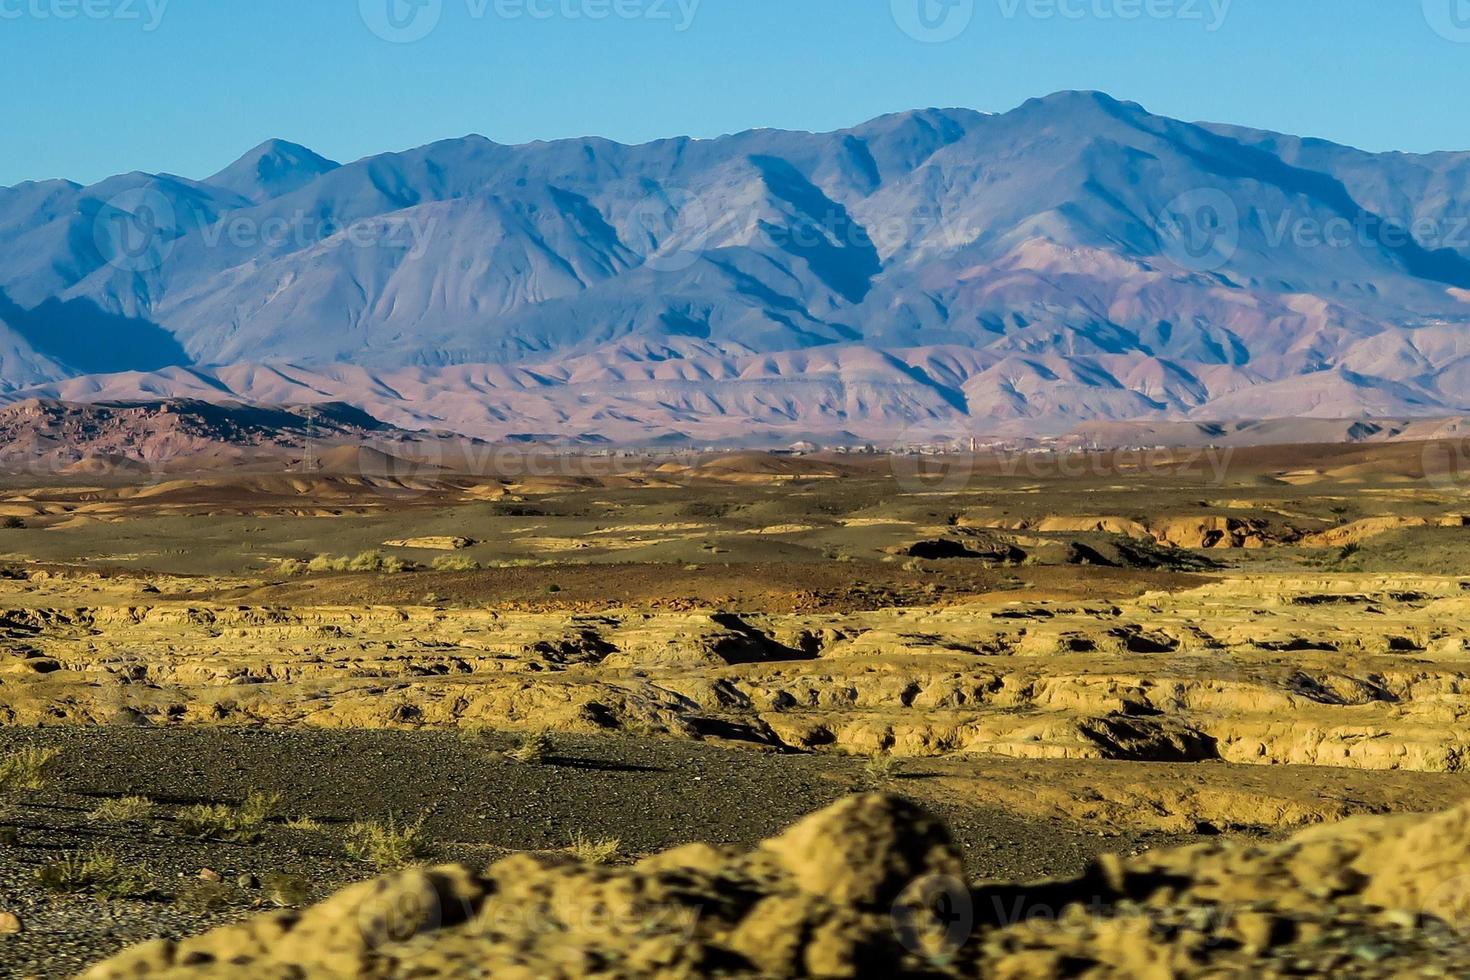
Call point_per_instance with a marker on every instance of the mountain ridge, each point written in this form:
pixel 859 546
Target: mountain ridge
pixel 1057 245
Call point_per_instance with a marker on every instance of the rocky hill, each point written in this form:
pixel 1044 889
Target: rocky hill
pixel 39 435
pixel 873 888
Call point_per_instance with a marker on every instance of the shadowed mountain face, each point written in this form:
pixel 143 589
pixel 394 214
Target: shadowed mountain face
pixel 1075 258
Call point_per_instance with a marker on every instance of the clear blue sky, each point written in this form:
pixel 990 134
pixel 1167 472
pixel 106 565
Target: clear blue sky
pixel 98 93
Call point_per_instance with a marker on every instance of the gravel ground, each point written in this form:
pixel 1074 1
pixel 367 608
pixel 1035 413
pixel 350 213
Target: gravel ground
pixel 475 803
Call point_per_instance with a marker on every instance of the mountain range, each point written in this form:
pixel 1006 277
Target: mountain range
pixel 937 272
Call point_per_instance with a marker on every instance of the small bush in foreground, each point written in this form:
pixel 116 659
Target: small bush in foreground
pixel 126 809
pixel 241 824
pixel 594 851
pixel 454 563
pixel 97 872
pixel 387 845
pixel 303 823
pixel 26 768
pixel 534 748
pixel 202 897
pixel 13 524
pixel 367 561
pixel 879 770
pixel 286 890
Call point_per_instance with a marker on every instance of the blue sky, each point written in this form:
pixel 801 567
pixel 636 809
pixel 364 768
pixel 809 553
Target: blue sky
pixel 185 86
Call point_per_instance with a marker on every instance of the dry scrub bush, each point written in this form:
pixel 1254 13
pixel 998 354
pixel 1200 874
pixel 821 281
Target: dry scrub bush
pixel 26 768
pixel 454 563
pixel 879 770
pixel 286 890
pixel 367 561
pixel 387 845
pixel 534 748
pixel 203 897
pixel 126 809
pixel 97 872
pixel 241 824
pixel 597 851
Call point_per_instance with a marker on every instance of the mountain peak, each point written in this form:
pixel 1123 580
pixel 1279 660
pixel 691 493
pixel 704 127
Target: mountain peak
pixel 271 169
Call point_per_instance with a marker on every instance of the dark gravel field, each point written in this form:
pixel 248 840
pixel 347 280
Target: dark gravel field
pixel 476 804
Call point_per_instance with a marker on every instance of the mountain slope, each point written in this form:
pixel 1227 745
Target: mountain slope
pixel 1075 258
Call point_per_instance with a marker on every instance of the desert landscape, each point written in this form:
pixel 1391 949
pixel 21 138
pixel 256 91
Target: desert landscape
pixel 1127 713
pixel 682 490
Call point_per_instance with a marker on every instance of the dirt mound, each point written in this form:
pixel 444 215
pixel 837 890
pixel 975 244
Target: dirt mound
pixel 760 467
pixel 1371 527
pixel 432 543
pixel 872 887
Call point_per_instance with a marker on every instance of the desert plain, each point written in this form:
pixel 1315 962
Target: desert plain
pixel 1193 712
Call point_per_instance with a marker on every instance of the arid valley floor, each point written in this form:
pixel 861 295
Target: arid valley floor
pixel 741 715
